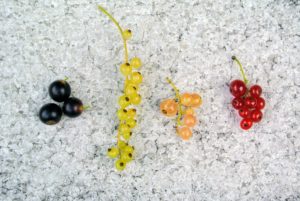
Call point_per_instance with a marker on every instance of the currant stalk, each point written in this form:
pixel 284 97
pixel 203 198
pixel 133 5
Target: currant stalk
pixel 177 95
pixel 120 30
pixel 241 69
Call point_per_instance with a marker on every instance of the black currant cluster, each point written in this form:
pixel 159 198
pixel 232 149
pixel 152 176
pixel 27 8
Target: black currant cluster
pixel 60 91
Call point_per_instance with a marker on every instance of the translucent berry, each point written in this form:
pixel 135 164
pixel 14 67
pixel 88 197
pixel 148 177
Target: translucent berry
pixel 250 102
pixel 130 90
pixel 189 111
pixel 126 156
pixel 126 69
pixel 244 112
pixel 120 165
pixel 124 128
pixel 260 103
pixel 256 115
pixel 136 78
pixel 185 133
pixel 127 34
pixel 131 112
pixel 186 99
pixel 113 152
pixel 135 99
pixel 189 120
pixel 246 124
pixel 237 103
pixel 126 135
pixel 121 144
pixel 196 100
pixel 128 149
pixel 169 107
pixel 238 88
pixel 122 114
pixel 135 62
pixel 255 91
pixel 124 101
pixel 131 122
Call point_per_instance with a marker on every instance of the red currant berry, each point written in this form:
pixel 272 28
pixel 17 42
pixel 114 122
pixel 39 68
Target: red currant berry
pixel 238 88
pixel 256 116
pixel 250 102
pixel 255 91
pixel 244 112
pixel 246 124
pixel 260 103
pixel 237 103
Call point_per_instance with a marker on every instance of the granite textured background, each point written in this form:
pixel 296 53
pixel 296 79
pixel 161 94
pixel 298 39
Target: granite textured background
pixel 190 41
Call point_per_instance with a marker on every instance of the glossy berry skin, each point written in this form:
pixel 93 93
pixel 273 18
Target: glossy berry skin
pixel 237 103
pixel 244 112
pixel 59 90
pixel 246 124
pixel 196 100
pixel 238 88
pixel 256 116
pixel 186 99
pixel 50 114
pixel 260 103
pixel 169 107
pixel 72 107
pixel 189 120
pixel 120 165
pixel 250 102
pixel 255 91
pixel 185 133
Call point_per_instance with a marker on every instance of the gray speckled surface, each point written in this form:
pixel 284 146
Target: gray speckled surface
pixel 192 42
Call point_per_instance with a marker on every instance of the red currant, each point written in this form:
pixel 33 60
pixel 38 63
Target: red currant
pixel 250 102
pixel 244 112
pixel 255 91
pixel 237 103
pixel 260 103
pixel 238 88
pixel 246 124
pixel 256 115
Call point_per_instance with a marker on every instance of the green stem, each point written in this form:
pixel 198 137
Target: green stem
pixel 119 28
pixel 177 94
pixel 86 107
pixel 241 69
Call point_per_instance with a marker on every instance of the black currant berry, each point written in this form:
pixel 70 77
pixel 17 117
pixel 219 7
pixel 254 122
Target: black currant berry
pixel 59 90
pixel 72 107
pixel 50 114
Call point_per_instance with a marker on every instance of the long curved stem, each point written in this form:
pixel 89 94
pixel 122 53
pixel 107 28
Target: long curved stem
pixel 119 28
pixel 241 69
pixel 177 94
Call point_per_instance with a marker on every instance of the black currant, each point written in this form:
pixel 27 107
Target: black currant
pixel 72 107
pixel 50 114
pixel 59 90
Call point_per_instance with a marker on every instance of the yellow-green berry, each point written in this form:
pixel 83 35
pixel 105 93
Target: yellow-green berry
pixel 120 165
pixel 126 69
pixel 127 34
pixel 131 122
pixel 135 62
pixel 121 144
pixel 126 156
pixel 113 152
pixel 124 101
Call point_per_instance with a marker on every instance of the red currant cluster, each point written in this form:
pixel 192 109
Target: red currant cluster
pixel 248 102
